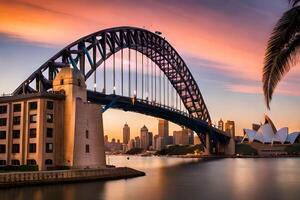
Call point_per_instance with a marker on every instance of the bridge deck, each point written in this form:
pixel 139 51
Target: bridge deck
pixel 155 110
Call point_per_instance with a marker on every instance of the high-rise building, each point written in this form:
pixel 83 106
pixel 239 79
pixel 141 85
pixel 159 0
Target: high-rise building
pixel 155 142
pixel 197 140
pixel 191 136
pixel 163 128
pixel 126 133
pixel 131 144
pixel 145 139
pixel 221 125
pixel 137 141
pixel 181 137
pixel 150 135
pixel 230 128
pixel 160 143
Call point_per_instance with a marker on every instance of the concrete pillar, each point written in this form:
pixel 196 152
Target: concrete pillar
pixel 207 142
pixel 230 146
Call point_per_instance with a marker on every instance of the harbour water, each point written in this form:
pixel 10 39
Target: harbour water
pixel 181 178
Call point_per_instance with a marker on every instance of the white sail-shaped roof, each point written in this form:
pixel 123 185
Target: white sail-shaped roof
pixel 259 136
pixel 267 133
pixel 292 137
pixel 249 134
pixel 281 135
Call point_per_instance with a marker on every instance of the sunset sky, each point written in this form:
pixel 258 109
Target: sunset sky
pixel 222 42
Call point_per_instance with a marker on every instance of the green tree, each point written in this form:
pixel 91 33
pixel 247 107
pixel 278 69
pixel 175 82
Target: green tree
pixel 282 49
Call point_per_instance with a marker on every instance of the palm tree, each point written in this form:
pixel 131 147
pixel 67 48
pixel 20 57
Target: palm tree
pixel 282 50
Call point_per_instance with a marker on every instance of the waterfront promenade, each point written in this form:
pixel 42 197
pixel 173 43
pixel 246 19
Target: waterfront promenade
pixel 13 179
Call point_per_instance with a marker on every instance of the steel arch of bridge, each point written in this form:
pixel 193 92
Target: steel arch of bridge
pixel 108 42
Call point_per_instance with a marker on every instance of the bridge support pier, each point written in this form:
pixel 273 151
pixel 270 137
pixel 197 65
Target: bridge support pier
pixel 83 137
pixel 230 146
pixel 207 151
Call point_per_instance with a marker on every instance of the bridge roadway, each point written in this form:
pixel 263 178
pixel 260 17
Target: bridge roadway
pixel 157 110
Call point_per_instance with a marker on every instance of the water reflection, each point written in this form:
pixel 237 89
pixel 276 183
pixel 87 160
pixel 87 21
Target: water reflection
pixel 175 178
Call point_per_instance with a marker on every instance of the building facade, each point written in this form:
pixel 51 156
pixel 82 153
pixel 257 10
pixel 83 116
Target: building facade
pixel 181 137
pixel 230 127
pixel 57 128
pixel 163 128
pixel 126 134
pixel 145 139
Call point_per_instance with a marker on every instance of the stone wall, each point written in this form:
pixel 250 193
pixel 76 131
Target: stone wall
pixel 64 176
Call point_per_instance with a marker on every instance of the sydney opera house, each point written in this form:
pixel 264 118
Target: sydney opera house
pixel 268 134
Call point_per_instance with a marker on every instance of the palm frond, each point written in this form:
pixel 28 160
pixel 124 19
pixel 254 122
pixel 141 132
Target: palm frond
pixel 294 2
pixel 280 44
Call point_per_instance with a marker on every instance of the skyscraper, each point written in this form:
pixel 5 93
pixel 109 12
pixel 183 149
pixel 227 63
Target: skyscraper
pixel 145 142
pixel 163 128
pixel 181 137
pixel 221 125
pixel 137 141
pixel 126 134
pixel 230 128
pixel 150 135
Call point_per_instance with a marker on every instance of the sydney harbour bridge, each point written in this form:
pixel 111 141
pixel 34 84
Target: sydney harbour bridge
pixel 136 70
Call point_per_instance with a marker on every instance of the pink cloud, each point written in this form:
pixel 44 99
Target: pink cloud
pixel 284 88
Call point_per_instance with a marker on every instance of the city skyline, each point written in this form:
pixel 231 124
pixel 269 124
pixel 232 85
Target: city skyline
pixel 231 85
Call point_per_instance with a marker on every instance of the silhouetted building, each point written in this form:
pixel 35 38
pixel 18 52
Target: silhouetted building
pixel 137 141
pixel 150 135
pixel 126 134
pixel 145 139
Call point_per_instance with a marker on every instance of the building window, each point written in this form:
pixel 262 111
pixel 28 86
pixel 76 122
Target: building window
pixel 49 132
pixel 15 162
pixel 2 135
pixel 87 148
pixel 62 81
pixel 16 148
pixel 31 162
pixel 33 118
pixel 32 133
pixel 79 82
pixel 17 120
pixel 50 105
pixel 49 147
pixel 86 134
pixel 32 148
pixel 16 134
pixel 3 109
pixel 33 105
pixel 17 107
pixel 2 162
pixel 2 148
pixel 48 162
pixel 3 121
pixel 49 118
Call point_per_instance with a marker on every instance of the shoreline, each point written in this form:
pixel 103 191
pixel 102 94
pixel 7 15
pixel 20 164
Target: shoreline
pixel 20 179
pixel 212 156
